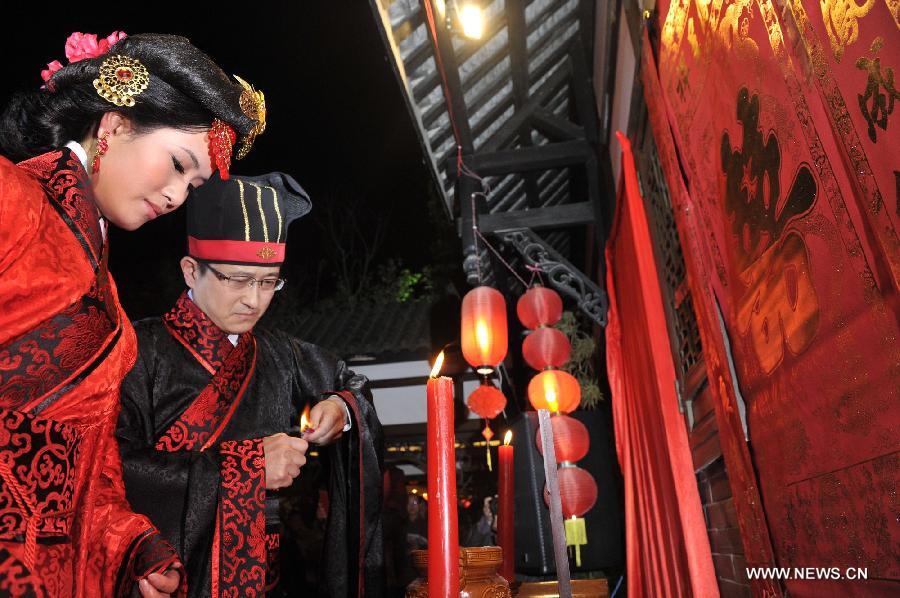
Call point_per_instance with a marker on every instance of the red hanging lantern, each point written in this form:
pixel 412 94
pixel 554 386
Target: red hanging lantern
pixel 546 347
pixel 483 331
pixel 577 491
pixel 570 439
pixel 539 306
pixel 487 401
pixel 554 390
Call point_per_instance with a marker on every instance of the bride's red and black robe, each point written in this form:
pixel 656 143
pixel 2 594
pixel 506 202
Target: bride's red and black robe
pixel 195 409
pixel 65 346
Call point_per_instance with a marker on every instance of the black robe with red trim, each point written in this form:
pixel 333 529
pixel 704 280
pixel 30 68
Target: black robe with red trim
pixel 195 467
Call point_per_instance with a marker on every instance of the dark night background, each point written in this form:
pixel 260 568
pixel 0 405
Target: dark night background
pixel 336 122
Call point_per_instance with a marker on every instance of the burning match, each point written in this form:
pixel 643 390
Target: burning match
pixel 304 422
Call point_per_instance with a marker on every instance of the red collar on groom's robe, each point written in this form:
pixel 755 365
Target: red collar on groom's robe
pixel 231 367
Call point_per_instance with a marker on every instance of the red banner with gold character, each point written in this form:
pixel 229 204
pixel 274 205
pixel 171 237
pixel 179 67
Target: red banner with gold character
pixel 783 121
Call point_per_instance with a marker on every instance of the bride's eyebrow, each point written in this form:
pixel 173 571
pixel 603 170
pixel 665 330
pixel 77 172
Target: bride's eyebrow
pixel 192 155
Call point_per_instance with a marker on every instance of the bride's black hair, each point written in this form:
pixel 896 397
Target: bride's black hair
pixel 187 91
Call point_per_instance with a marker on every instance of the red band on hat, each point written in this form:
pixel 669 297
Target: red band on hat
pixel 251 252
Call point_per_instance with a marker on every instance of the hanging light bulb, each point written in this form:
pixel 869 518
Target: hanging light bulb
pixel 472 20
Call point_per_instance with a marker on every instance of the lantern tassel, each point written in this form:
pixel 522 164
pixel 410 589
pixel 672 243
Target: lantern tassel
pixel 488 434
pixel 576 535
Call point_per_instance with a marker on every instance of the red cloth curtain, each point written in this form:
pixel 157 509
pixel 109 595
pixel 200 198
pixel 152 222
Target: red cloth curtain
pixel 780 148
pixel 667 548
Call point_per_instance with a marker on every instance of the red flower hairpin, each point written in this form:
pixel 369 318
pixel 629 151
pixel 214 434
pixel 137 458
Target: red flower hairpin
pixel 83 45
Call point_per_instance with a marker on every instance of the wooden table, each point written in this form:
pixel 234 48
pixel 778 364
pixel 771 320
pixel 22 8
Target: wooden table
pixel 581 588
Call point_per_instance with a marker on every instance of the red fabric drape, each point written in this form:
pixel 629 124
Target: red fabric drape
pixel 667 549
pixel 780 150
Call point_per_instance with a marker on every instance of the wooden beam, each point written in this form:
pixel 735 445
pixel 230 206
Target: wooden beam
pixel 556 128
pixel 518 49
pixel 546 67
pixel 608 189
pixel 466 51
pixel 465 188
pixel 518 60
pixel 634 20
pixel 583 88
pixel 595 195
pixel 586 21
pixel 527 159
pixel 572 214
pixel 507 132
pixel 444 45
pixel 606 34
pixel 437 109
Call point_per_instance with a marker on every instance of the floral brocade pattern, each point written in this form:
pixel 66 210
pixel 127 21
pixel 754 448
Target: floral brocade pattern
pixel 207 416
pixel 66 183
pixel 192 328
pixel 61 347
pixel 40 455
pixel 242 522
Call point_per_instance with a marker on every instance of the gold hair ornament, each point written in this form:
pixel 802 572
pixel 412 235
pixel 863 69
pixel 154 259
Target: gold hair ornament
pixel 121 78
pixel 253 104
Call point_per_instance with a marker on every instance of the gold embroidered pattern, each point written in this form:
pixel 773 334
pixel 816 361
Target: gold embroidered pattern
pixel 244 210
pixel 266 253
pixel 277 212
pixel 841 22
pixel 262 214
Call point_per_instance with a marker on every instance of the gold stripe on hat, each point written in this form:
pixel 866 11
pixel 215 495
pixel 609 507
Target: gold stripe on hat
pixel 262 215
pixel 277 212
pixel 244 210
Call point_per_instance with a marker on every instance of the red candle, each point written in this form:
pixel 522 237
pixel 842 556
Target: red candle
pixel 443 533
pixel 506 493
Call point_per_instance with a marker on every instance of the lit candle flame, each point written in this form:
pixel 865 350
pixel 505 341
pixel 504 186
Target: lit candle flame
pixel 437 365
pixel 507 438
pixel 304 419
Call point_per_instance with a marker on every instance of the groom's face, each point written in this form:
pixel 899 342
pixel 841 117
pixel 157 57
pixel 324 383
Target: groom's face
pixel 236 303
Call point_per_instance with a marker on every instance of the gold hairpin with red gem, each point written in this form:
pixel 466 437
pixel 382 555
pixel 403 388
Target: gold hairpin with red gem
pixel 120 79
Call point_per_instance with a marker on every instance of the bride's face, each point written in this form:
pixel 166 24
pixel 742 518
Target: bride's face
pixel 145 175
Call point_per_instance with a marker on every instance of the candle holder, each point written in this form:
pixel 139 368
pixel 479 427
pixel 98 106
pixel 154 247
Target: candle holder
pixel 478 576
